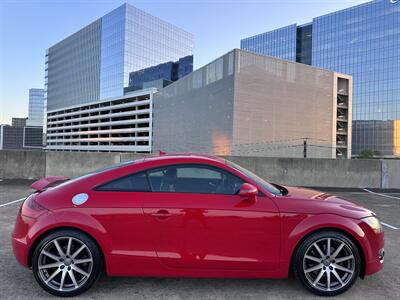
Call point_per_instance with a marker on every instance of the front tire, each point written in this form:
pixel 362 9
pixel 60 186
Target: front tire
pixel 327 263
pixel 66 263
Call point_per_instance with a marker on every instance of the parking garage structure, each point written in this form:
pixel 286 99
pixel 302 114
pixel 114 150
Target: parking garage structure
pixel 115 124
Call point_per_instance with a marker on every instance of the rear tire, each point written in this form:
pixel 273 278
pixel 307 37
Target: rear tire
pixel 66 263
pixel 327 263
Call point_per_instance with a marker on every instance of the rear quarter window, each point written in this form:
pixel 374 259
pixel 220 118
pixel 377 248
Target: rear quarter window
pixel 131 183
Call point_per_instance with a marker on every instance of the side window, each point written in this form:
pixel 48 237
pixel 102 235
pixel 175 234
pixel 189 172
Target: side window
pixel 194 179
pixel 131 183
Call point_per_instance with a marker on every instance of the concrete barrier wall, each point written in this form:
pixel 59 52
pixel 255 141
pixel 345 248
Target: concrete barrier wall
pixel 289 171
pixel 16 164
pixel 131 156
pixel 316 172
pixel 72 164
pixel 391 174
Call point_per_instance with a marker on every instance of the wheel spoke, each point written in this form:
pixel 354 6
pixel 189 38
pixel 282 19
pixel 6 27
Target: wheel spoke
pixel 62 280
pixel 79 270
pixel 53 275
pixel 318 277
pixel 342 259
pixel 82 261
pixel 337 250
pixel 78 251
pixel 69 246
pixel 317 267
pixel 319 250
pixel 72 276
pixel 328 280
pixel 60 251
pixel 316 259
pixel 53 265
pixel 339 267
pixel 338 277
pixel 328 247
pixel 52 256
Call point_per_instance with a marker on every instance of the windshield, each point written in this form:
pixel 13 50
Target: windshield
pixel 269 187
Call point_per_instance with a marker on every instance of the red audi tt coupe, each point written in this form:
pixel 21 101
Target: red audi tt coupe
pixel 191 216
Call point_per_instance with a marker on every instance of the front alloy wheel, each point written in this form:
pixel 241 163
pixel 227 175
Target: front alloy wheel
pixel 66 263
pixel 327 263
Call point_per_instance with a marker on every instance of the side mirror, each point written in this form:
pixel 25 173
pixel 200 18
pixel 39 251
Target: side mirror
pixel 248 191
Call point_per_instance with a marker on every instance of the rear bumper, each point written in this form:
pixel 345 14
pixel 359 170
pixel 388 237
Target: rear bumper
pixel 19 238
pixel 26 231
pixel 20 250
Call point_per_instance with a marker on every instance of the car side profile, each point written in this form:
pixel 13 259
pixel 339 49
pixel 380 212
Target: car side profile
pixel 187 215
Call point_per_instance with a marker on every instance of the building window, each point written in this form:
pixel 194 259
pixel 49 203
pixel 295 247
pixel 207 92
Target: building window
pixel 230 63
pixel 219 68
pixel 197 79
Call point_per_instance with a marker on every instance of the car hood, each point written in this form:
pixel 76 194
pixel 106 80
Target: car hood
pixel 303 200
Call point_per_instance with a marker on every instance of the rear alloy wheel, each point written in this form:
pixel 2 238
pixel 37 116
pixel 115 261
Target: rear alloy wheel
pixel 327 263
pixel 66 263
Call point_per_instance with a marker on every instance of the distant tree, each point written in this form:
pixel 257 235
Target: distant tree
pixel 368 154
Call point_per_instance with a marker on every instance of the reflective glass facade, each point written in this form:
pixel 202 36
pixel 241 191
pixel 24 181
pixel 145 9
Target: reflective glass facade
pixel 279 43
pixel 112 53
pixel 94 63
pixel 304 44
pixel 170 71
pixel 36 107
pixel 363 41
pixel 72 71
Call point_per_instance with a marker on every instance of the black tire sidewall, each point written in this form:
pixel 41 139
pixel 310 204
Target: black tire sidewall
pixel 94 249
pixel 306 243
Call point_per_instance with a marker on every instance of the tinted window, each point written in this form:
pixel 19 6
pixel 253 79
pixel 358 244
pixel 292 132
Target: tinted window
pixel 132 183
pixel 268 186
pixel 194 179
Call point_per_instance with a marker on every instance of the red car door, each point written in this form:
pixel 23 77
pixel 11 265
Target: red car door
pixel 123 219
pixel 197 221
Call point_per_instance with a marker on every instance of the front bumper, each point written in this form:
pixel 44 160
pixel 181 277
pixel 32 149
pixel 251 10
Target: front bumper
pixel 374 256
pixel 374 266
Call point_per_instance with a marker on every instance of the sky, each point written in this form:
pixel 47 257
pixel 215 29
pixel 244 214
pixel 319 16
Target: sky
pixel 29 27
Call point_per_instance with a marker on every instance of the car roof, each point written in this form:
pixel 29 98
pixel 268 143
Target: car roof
pixel 184 156
pixel 155 160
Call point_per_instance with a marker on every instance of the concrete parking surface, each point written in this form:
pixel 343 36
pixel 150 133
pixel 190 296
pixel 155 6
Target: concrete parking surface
pixel 17 282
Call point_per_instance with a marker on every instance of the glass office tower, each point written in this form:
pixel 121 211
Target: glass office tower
pixel 168 72
pixel 94 63
pixel 363 41
pixel 36 107
pixel 279 43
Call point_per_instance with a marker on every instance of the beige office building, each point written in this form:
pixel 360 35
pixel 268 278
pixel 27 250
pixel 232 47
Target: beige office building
pixel 253 105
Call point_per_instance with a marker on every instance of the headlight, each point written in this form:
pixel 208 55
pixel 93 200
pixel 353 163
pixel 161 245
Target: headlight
pixel 374 223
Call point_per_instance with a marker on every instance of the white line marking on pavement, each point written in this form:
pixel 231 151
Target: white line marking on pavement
pixel 383 195
pixel 12 202
pixel 390 226
pixel 387 196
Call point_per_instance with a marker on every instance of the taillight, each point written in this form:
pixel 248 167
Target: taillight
pixel 32 204
pixel 31 208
